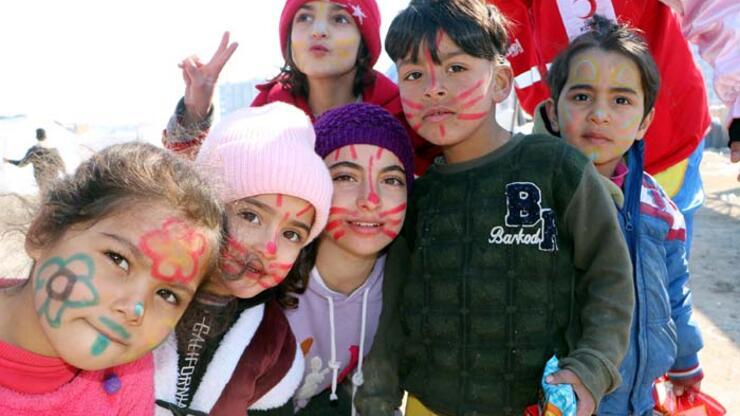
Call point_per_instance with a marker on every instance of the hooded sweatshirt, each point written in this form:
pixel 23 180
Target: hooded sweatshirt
pixel 329 327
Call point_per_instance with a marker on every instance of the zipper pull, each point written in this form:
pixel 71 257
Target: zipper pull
pixel 628 221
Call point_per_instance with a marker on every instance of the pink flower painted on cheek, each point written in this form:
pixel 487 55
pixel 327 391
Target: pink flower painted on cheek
pixel 176 251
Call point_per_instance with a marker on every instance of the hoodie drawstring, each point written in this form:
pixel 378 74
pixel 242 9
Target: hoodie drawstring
pixel 357 378
pixel 333 363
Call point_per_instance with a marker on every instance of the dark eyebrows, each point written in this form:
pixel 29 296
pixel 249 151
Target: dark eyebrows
pixel 581 87
pixel 442 57
pixel 257 203
pixel 394 168
pixel 133 248
pixel 301 225
pixel 623 90
pixel 346 164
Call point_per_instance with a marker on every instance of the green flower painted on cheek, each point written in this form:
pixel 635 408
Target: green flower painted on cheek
pixel 59 287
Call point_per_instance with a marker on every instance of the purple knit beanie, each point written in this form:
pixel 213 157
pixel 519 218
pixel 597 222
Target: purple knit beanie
pixel 362 123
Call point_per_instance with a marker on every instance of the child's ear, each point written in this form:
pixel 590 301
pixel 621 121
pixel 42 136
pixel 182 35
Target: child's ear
pixel 646 121
pixel 502 81
pixel 552 115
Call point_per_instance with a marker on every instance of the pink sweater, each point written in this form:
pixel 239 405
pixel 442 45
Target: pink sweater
pixel 85 395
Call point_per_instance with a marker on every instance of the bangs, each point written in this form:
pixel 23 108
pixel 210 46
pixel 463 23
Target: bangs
pixel 422 25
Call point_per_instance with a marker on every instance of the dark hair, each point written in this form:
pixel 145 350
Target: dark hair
pixel 477 28
pixel 120 175
pixel 610 37
pixel 40 134
pixel 296 81
pixel 296 281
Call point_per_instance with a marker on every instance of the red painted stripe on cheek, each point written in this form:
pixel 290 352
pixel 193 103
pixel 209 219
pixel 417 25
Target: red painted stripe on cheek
pixel 332 225
pixel 390 233
pixel 474 116
pixel 392 211
pixel 339 234
pixel 412 104
pixel 471 103
pixel 463 95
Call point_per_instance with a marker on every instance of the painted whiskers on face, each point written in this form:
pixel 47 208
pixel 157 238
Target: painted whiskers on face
pixel 447 102
pixel 261 260
pixel 358 203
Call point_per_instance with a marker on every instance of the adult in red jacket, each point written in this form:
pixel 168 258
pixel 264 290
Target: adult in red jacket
pixel 541 28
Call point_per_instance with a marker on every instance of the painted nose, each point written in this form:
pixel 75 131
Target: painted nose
pixel 131 309
pixel 598 115
pixel 319 30
pixel 369 199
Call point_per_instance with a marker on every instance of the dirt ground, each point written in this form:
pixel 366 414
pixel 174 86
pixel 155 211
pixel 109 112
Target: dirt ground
pixel 715 278
pixel 715 268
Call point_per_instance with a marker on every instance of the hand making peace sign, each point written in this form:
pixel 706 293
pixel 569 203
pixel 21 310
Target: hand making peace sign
pixel 200 79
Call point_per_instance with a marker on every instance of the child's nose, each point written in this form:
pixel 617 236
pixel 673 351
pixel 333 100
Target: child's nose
pixel 368 199
pixel 131 308
pixel 319 29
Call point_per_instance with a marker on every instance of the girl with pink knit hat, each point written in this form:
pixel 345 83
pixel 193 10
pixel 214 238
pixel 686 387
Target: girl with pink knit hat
pixel 234 350
pixel 329 47
pixel 370 159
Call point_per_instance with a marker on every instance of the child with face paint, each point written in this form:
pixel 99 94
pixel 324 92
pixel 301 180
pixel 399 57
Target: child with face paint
pixel 234 349
pixel 330 48
pixel 516 252
pixel 604 87
pixel 119 248
pixel 370 159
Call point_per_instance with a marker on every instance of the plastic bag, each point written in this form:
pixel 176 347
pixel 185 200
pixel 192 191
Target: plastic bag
pixel 558 400
pixel 692 403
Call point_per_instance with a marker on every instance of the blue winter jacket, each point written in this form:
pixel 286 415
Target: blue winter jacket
pixel 663 336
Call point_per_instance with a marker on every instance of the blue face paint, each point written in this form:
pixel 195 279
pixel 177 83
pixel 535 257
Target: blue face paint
pixel 115 327
pixel 100 345
pixel 139 309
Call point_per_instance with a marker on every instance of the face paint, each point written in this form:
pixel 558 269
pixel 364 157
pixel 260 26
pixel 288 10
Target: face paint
pixel 601 107
pixel 324 40
pixel 65 284
pixel 139 309
pixel 362 189
pixel 176 251
pixel 448 106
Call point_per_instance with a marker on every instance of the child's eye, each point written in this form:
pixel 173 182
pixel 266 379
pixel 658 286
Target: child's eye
pixel 292 236
pixel 118 260
pixel 623 100
pixel 344 178
pixel 250 217
pixel 303 17
pixel 412 76
pixel 342 18
pixel 394 181
pixel 168 296
pixel 580 97
pixel 456 68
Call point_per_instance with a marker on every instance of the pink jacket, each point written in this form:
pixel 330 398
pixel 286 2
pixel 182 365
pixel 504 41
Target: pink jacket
pixel 86 395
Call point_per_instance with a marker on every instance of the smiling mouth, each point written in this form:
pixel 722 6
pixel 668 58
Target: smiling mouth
pixel 365 227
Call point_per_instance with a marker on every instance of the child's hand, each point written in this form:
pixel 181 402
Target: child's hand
pixel 200 79
pixel 586 404
pixel 679 388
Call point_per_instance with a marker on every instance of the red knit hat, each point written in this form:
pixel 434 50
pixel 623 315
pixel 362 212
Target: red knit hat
pixel 365 13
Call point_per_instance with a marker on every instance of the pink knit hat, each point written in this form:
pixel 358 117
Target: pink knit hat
pixel 268 150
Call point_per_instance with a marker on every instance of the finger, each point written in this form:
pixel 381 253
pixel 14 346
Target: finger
pixel 562 377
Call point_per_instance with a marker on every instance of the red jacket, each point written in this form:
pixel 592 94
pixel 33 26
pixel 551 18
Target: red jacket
pixel 541 28
pixel 382 92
